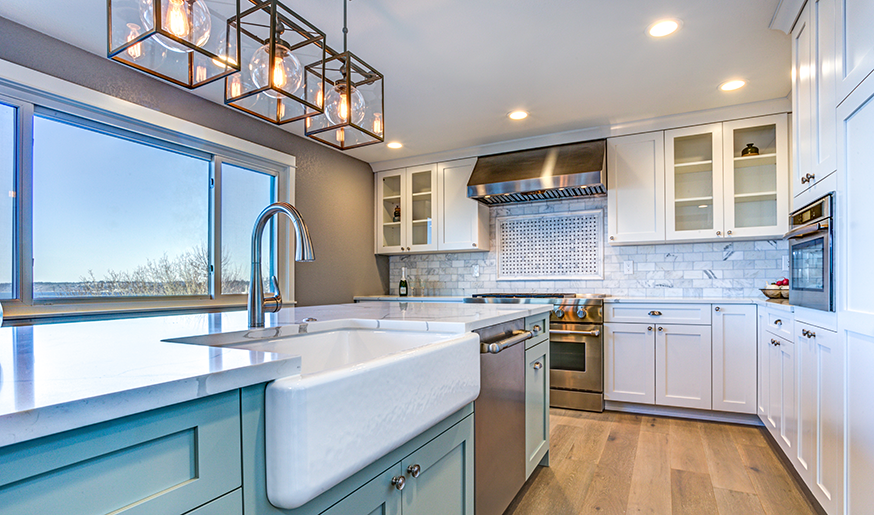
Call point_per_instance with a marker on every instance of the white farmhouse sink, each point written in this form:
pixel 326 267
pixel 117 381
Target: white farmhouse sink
pixel 361 394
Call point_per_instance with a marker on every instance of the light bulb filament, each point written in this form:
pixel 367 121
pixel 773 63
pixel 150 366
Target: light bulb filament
pixel 280 78
pixel 135 51
pixel 177 19
pixel 344 107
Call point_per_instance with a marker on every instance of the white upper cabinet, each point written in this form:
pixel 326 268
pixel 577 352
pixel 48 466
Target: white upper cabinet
pixel 756 185
pixel 405 203
pixel 693 182
pixel 855 44
pixel 636 188
pixel 813 103
pixel 463 223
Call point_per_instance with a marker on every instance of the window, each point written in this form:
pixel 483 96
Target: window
pixel 119 214
pixel 7 198
pixel 116 218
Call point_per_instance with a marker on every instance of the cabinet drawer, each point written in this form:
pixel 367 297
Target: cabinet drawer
pixel 779 324
pixel 539 325
pixel 693 314
pixel 169 460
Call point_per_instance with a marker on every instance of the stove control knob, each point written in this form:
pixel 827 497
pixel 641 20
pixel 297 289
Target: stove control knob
pixel 582 313
pixel 558 312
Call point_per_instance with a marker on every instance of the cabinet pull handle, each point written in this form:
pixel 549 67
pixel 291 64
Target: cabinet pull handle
pixel 398 482
pixel 414 470
pixel 811 334
pixel 596 332
pixel 536 329
pixel 538 365
pixel 775 342
pixel 778 322
pixel 655 313
pixel 810 177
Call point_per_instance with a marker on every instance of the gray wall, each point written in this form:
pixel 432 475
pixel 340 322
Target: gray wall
pixel 334 192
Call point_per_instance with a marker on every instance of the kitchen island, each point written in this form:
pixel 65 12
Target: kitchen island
pixel 78 392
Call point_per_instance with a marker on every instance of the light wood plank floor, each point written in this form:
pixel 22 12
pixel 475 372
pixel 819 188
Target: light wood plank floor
pixel 613 462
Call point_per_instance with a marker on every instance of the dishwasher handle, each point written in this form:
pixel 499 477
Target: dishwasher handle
pixel 596 332
pixel 498 346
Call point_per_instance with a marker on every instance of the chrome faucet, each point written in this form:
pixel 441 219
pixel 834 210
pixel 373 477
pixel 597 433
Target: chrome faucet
pixel 303 251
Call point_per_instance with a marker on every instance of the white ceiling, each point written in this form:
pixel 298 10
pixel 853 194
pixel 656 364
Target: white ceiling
pixel 455 68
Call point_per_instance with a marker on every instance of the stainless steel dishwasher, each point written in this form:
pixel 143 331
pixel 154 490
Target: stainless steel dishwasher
pixel 499 418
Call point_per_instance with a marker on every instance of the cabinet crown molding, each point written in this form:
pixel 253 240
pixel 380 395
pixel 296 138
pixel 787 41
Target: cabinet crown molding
pixel 786 15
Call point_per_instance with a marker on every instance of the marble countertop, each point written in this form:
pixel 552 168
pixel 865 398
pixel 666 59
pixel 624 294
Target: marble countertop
pixel 56 377
pixel 659 300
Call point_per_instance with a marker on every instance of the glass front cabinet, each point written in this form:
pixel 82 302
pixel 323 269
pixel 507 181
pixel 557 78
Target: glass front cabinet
pixel 405 210
pixel 728 180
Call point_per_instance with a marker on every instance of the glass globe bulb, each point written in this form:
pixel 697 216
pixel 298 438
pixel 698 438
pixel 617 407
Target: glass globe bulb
pixel 336 107
pixel 287 72
pixel 185 19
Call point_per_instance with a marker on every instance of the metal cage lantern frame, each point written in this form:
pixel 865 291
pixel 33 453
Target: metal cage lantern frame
pixel 271 34
pixel 138 37
pixel 345 72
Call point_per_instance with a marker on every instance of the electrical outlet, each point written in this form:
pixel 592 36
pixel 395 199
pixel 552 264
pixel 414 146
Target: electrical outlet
pixel 785 263
pixel 476 270
pixel 628 267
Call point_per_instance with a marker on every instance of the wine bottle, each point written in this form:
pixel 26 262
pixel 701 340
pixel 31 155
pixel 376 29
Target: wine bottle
pixel 402 287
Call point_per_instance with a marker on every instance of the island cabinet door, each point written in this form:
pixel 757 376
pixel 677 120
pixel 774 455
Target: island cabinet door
pixel 382 495
pixel 682 366
pixel 439 476
pixel 170 460
pixel 536 405
pixel 629 363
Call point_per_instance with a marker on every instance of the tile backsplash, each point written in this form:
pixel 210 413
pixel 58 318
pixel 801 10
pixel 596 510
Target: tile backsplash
pixel 721 269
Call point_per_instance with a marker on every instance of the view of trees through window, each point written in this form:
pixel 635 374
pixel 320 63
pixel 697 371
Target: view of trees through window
pixel 7 198
pixel 119 218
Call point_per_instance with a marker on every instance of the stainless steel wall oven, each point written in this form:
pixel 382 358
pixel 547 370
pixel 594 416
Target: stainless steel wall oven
pixel 811 234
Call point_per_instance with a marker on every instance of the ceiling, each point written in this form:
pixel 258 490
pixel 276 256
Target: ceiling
pixel 455 68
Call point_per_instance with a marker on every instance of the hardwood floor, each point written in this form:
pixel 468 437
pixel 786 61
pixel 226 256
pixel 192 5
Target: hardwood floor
pixel 613 462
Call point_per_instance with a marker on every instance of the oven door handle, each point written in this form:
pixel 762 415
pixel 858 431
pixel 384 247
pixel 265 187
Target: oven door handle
pixel 806 230
pixel 506 343
pixel 596 332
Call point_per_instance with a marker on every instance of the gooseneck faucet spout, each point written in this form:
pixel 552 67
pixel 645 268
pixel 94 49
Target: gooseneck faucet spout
pixel 303 251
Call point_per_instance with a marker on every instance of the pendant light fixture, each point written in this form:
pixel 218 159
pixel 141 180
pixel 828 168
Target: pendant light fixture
pixel 353 102
pixel 187 42
pixel 283 63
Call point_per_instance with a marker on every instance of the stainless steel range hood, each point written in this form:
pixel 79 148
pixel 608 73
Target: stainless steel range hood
pixel 548 173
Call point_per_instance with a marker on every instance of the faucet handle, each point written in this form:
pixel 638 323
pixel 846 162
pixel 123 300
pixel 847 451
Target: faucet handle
pixel 274 304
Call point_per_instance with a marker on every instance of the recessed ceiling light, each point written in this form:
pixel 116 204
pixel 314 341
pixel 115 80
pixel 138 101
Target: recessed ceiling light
pixel 518 115
pixel 732 85
pixel 395 144
pixel 663 28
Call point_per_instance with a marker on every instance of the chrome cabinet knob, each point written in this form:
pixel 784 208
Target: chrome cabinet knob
pixel 661 329
pixel 474 244
pixel 778 322
pixel 716 308
pixel 612 238
pixel 414 470
pixel 649 328
pixel 398 482
pixel 538 365
pixel 536 329
pixel 728 233
pixel 655 313
pixel 719 233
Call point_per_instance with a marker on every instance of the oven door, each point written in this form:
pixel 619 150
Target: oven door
pixel 576 357
pixel 811 277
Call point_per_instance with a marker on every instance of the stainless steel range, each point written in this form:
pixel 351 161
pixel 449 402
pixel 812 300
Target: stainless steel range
pixel 576 342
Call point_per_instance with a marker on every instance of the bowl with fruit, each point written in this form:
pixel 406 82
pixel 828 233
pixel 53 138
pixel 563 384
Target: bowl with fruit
pixel 777 289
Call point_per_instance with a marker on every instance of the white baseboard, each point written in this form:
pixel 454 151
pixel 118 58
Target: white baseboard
pixel 695 414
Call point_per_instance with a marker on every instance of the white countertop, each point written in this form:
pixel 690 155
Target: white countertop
pixel 660 300
pixel 56 377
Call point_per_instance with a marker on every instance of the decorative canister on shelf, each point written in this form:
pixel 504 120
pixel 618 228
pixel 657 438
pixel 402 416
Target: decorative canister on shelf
pixel 750 150
pixel 397 215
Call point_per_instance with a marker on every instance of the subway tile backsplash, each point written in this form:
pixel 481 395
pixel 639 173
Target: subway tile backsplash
pixel 694 270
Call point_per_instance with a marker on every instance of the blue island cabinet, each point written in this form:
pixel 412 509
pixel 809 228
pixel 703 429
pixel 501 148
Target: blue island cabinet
pixel 180 459
pixel 432 474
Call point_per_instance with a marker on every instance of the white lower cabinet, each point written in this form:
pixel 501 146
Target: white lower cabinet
pixel 536 405
pixel 629 357
pixel 734 358
pixel 682 366
pixel 820 413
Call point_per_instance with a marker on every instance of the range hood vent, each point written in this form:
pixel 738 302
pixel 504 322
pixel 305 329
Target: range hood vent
pixel 548 173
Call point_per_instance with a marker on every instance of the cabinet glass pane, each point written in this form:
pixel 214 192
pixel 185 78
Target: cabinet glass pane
pixel 7 202
pixel 421 206
pixel 693 182
pixel 391 211
pixel 755 177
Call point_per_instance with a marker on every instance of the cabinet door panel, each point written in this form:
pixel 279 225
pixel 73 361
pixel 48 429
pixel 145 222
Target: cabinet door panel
pixel 464 222
pixel 802 105
pixel 822 23
pixel 629 363
pixel 536 405
pixel 734 358
pixel 420 222
pixel 390 189
pixel 377 497
pixel 636 188
pixel 788 437
pixel 445 481
pixel 693 182
pixel 855 52
pixel 764 371
pixel 683 366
